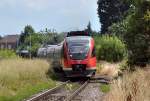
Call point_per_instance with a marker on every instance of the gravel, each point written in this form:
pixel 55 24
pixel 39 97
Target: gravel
pixel 90 93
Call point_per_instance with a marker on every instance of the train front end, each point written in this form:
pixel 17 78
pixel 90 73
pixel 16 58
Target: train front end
pixel 79 59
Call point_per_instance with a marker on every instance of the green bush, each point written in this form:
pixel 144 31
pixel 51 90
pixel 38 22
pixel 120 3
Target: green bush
pixel 110 48
pixel 7 54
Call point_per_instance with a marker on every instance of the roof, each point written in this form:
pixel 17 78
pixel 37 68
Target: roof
pixel 9 39
pixel 78 38
pixel 78 33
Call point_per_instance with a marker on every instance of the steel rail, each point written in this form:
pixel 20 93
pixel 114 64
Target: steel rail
pixel 101 79
pixel 48 92
pixel 77 91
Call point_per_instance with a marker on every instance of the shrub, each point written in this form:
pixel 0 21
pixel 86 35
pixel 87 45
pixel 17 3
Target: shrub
pixel 7 54
pixel 110 48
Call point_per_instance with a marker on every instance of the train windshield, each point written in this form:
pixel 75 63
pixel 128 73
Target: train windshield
pixel 78 49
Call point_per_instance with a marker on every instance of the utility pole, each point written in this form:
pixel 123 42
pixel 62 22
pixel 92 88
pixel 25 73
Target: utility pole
pixel 6 44
pixel 30 46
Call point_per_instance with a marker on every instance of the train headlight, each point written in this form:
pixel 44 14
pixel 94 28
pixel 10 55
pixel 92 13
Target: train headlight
pixel 70 55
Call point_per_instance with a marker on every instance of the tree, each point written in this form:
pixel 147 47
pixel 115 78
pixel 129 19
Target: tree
pixel 0 37
pixel 25 40
pixel 137 37
pixel 27 31
pixel 119 29
pixel 89 29
pixel 33 42
pixel 50 36
pixel 111 11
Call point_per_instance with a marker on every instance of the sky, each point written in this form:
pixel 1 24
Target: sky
pixel 62 15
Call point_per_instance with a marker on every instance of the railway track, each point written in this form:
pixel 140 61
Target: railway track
pixel 76 92
pixel 55 94
pixel 50 95
pixel 75 96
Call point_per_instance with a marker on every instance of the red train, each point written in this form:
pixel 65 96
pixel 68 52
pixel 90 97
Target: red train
pixel 77 56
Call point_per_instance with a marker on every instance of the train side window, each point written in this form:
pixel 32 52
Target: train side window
pixel 93 52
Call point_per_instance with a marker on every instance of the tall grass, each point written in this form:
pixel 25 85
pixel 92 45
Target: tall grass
pixel 20 78
pixel 108 69
pixel 132 87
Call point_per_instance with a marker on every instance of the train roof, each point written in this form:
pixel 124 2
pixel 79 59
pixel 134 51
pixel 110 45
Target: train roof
pixel 77 33
pixel 78 38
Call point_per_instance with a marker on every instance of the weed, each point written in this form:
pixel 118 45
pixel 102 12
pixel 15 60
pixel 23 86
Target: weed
pixel 105 88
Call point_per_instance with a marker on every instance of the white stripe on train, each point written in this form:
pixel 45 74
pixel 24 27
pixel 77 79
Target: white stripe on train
pixel 91 68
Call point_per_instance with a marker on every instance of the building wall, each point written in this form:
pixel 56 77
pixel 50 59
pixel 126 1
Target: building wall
pixel 8 46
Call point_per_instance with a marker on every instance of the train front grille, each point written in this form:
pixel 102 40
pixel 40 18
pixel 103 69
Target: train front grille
pixel 79 67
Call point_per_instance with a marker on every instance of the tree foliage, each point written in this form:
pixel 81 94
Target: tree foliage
pixel 27 31
pixel 89 29
pixel 51 37
pixel 31 40
pixel 137 37
pixel 111 11
pixel 119 29
pixel 133 29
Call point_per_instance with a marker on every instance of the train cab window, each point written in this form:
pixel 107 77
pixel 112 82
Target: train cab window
pixel 94 52
pixel 78 49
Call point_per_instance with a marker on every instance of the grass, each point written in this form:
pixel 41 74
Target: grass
pixel 105 88
pixel 7 54
pixel 131 87
pixel 21 78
